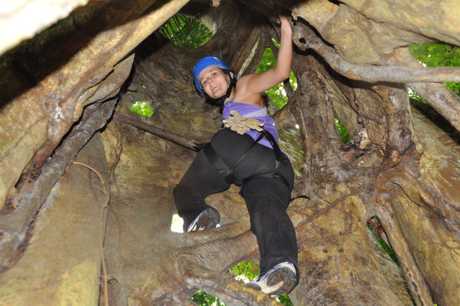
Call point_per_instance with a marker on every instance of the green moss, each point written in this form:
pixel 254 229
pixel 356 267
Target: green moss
pixel 438 55
pixel 186 31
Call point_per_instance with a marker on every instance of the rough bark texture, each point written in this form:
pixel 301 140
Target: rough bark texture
pixel 17 222
pixel 63 262
pixel 49 81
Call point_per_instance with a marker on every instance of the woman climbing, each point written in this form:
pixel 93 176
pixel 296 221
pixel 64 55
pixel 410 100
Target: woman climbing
pixel 245 152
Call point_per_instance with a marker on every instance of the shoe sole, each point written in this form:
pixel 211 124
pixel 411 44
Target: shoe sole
pixel 208 219
pixel 284 276
pixel 281 281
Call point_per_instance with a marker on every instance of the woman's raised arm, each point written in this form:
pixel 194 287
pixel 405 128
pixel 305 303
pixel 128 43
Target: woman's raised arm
pixel 258 83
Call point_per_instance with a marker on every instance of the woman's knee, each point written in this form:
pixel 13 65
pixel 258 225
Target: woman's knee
pixel 180 192
pixel 266 192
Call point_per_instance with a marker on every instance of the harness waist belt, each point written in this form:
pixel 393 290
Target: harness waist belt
pixel 228 172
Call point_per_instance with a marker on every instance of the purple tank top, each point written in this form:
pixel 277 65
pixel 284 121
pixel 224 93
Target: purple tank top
pixel 256 112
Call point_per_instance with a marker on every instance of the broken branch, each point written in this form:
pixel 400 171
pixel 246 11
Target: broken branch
pixel 182 141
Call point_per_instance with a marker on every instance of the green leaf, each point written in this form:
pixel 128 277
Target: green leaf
pixel 277 94
pixel 384 246
pixel 284 299
pixel 342 131
pixel 245 270
pixel 142 108
pixel 267 61
pixel 203 298
pixel 186 31
pixel 455 87
pixel 276 43
pixel 293 81
pixel 437 55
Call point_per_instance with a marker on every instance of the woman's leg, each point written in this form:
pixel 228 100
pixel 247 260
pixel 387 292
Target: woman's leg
pixel 200 180
pixel 267 200
pixel 267 197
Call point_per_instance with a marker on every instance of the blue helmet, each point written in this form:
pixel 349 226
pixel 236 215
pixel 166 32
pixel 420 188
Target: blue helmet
pixel 201 65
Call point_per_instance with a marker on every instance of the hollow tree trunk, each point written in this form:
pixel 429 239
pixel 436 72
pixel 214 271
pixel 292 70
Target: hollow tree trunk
pixel 347 185
pixel 382 179
pixel 398 168
pixel 340 263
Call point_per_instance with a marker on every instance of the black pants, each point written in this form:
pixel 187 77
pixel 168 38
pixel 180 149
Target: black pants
pixel 267 197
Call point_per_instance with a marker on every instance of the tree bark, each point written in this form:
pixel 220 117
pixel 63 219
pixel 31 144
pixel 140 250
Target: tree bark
pixel 305 38
pixel 417 78
pixel 16 225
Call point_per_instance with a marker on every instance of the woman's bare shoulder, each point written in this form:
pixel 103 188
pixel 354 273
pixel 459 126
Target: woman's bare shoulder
pixel 244 83
pixel 241 84
pixel 244 95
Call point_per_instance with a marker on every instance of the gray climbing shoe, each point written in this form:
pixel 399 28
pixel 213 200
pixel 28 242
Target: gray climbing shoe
pixel 280 279
pixel 207 219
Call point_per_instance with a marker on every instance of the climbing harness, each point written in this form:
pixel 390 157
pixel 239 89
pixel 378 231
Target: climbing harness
pixel 229 172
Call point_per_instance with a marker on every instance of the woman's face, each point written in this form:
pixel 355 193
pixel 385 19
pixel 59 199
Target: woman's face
pixel 215 82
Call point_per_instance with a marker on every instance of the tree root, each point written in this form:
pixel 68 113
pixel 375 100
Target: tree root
pixel 204 267
pixel 208 260
pixel 16 226
pixel 415 281
pixel 305 38
pixel 106 190
pixel 422 80
pixel 414 278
